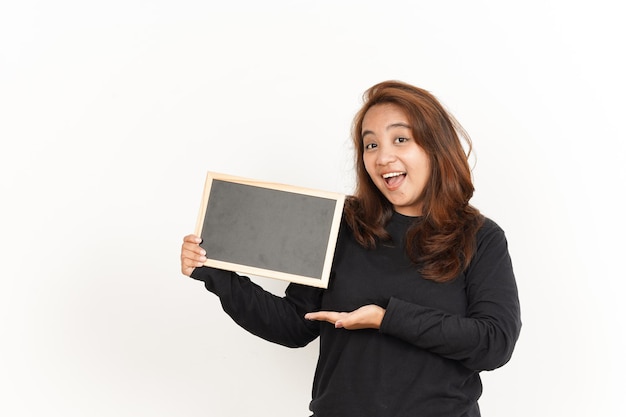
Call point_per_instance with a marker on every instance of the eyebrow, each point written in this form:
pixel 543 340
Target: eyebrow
pixel 391 126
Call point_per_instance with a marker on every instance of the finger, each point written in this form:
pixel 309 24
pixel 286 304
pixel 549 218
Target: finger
pixel 188 264
pixel 192 250
pixel 192 239
pixel 319 315
pixel 191 257
pixel 192 243
pixel 329 316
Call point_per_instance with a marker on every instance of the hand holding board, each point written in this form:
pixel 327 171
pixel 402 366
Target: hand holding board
pixel 270 230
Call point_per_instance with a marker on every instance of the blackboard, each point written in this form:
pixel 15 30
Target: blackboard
pixel 270 230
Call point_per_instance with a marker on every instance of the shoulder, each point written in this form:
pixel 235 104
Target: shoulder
pixel 489 226
pixel 491 255
pixel 490 232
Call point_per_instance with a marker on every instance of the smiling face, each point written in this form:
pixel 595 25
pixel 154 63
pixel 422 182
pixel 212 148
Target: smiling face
pixel 397 165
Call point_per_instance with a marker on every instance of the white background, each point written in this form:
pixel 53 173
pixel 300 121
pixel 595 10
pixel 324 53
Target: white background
pixel 112 112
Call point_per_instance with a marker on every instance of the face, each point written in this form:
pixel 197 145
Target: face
pixel 397 165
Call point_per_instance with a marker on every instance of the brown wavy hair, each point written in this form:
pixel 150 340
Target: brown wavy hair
pixel 442 242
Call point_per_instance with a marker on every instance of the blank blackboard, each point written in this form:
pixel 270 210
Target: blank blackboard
pixel 268 229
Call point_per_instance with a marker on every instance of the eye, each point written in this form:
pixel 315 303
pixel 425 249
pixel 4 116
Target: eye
pixel 370 146
pixel 402 140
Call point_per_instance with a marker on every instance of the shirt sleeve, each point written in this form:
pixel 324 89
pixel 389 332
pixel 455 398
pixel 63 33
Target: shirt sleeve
pixel 483 338
pixel 276 319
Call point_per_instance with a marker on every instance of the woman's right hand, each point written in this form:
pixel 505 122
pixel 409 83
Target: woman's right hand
pixel 191 254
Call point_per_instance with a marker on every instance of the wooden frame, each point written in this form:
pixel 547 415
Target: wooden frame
pixel 268 229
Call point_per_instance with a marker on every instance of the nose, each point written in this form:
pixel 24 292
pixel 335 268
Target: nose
pixel 385 155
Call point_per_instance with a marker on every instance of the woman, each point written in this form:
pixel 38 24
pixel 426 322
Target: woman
pixel 422 295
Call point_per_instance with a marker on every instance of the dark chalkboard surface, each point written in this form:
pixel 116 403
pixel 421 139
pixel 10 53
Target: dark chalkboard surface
pixel 267 229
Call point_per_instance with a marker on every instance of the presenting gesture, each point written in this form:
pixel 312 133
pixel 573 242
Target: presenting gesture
pixel 366 317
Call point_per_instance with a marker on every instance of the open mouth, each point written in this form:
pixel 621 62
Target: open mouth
pixel 394 179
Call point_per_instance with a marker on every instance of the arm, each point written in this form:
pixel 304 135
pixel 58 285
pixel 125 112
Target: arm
pixel 485 336
pixel 481 339
pixel 276 319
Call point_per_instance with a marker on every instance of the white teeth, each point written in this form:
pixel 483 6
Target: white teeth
pixel 393 174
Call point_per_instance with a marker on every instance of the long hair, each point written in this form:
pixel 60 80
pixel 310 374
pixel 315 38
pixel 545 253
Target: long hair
pixel 442 242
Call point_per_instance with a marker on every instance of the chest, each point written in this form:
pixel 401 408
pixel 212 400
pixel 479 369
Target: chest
pixel 361 276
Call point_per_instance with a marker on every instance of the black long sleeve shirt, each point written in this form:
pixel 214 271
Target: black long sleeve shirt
pixel 434 339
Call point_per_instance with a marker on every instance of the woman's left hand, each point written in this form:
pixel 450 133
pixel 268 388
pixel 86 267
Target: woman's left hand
pixel 366 317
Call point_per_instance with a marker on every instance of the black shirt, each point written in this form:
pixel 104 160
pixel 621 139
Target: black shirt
pixel 434 340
